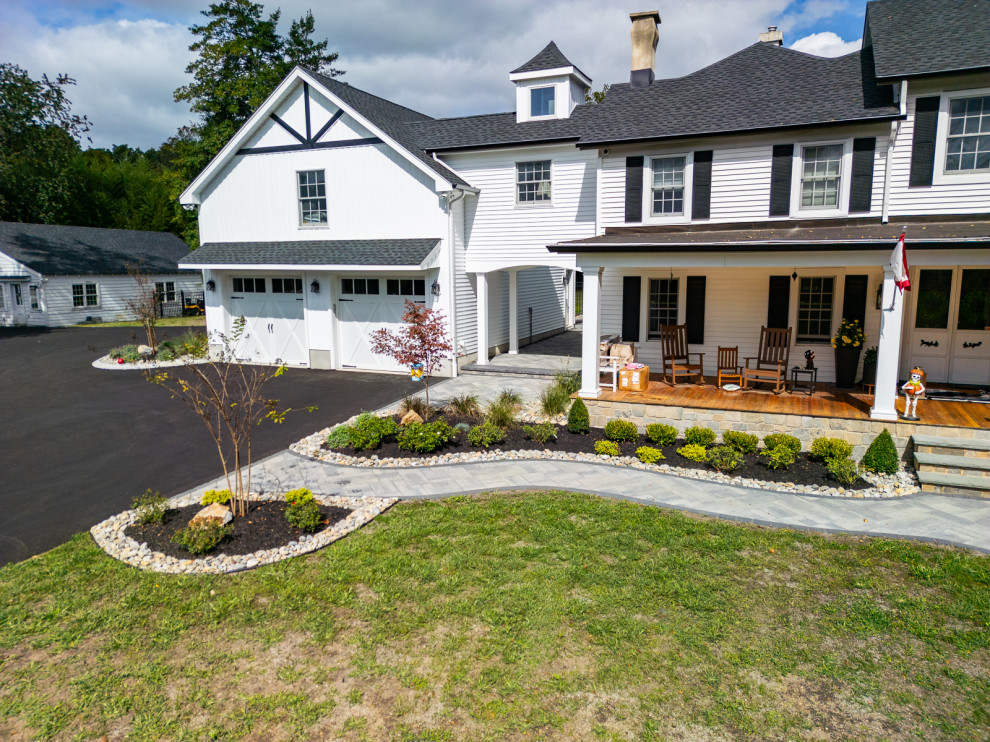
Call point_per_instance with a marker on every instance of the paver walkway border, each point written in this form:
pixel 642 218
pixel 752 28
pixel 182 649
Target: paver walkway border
pixel 933 518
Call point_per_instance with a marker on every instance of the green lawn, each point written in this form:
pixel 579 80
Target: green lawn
pixel 163 322
pixel 537 616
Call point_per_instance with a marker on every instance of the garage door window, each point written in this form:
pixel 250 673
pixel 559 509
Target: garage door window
pixel 249 285
pixel 359 286
pixel 406 287
pixel 286 285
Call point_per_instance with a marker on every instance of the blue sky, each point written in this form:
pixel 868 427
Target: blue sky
pixel 441 57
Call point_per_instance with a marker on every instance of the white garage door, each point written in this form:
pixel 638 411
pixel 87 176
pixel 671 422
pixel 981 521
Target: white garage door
pixel 273 308
pixel 368 304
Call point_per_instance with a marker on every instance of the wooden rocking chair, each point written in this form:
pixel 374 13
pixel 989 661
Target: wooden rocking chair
pixel 676 359
pixel 771 363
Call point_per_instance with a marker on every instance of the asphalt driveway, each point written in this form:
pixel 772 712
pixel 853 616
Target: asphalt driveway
pixel 77 444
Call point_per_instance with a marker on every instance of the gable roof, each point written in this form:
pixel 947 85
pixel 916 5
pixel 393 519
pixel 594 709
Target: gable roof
pixel 493 130
pixel 924 37
pixel 391 252
pixel 763 86
pixel 551 58
pixel 89 251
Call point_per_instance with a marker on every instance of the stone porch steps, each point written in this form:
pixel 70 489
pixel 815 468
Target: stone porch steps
pixel 951 466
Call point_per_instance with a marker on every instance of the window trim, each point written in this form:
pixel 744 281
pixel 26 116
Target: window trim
pixel 299 202
pixel 796 311
pixel 941 176
pixel 645 301
pixel 684 218
pixel 845 176
pixel 542 116
pixel 34 298
pixel 84 306
pixel 515 184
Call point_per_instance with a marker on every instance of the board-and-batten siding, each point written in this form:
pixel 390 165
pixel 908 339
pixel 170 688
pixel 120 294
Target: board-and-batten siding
pixel 940 197
pixel 740 179
pixel 503 233
pixel 114 293
pixel 735 309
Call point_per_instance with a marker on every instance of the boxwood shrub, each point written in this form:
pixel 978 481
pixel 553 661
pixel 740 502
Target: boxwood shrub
pixel 699 436
pixel 742 442
pixel 621 430
pixel 662 435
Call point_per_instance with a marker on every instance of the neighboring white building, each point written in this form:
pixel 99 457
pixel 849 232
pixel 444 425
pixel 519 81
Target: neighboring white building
pixel 53 276
pixel 766 189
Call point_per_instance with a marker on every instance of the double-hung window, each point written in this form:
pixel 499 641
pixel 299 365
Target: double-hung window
pixel 541 102
pixel 165 290
pixel 668 185
pixel 815 301
pixel 85 295
pixel 312 198
pixel 35 301
pixel 821 173
pixel 533 182
pixel 967 146
pixel 663 305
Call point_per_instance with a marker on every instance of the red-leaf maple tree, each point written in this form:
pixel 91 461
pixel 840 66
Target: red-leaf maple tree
pixel 423 340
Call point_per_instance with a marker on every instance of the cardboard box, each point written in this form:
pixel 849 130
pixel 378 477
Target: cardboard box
pixel 634 380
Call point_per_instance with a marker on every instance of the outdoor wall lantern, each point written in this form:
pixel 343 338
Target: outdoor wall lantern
pixel 435 288
pixel 211 285
pixel 315 286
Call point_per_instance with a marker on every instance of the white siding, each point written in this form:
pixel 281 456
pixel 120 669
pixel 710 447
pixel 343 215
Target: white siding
pixel 540 290
pixel 735 309
pixel 10 313
pixel 466 314
pixel 964 196
pixel 113 291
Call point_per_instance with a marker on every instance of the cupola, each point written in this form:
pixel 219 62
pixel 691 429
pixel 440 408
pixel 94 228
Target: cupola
pixel 548 86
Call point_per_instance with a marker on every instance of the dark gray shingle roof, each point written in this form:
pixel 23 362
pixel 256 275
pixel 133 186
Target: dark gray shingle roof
pixel 391 118
pixel 919 37
pixel 763 86
pixel 492 130
pixel 54 250
pixel 314 252
pixel 550 58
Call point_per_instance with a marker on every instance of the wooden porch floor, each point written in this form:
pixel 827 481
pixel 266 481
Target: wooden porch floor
pixel 827 401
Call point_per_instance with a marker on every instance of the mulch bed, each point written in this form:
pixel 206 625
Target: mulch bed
pixel 804 471
pixel 264 527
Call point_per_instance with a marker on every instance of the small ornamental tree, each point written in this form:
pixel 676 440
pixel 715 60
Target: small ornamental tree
pixel 423 341
pixel 227 396
pixel 144 303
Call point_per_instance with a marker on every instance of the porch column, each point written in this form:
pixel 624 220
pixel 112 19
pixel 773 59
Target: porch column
pixel 591 333
pixel 513 311
pixel 482 307
pixel 888 350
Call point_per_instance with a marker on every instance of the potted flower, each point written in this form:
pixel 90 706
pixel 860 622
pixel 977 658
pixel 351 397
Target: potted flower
pixel 848 343
pixel 869 366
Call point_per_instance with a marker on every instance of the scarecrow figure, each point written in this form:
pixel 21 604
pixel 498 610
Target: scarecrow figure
pixel 914 389
pixel 416 372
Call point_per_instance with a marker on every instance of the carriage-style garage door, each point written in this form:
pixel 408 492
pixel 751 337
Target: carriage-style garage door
pixel 368 304
pixel 273 309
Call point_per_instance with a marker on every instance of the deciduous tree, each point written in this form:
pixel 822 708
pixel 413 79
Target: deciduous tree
pixel 422 341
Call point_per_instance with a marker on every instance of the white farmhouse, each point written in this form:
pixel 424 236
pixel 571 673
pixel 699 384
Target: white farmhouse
pixel 53 276
pixel 767 189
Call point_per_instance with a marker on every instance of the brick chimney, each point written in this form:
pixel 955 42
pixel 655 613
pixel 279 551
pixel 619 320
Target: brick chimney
pixel 645 36
pixel 772 36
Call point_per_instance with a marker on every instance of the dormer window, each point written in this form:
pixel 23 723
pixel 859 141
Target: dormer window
pixel 541 102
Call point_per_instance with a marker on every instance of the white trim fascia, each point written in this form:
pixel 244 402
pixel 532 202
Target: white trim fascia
pixel 433 259
pixel 571 71
pixel 188 196
pixel 298 267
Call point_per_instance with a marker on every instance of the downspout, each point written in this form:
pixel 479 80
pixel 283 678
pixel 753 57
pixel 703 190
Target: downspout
pixel 895 128
pixel 452 270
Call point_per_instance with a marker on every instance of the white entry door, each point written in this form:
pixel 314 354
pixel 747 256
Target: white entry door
pixel 273 309
pixel 950 330
pixel 367 304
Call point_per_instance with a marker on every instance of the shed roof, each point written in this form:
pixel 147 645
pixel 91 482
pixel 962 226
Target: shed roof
pixel 54 250
pixel 399 252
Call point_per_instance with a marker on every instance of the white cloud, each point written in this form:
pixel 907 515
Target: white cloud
pixel 125 74
pixel 826 44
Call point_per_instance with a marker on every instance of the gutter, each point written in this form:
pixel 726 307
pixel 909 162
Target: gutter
pixel 765 245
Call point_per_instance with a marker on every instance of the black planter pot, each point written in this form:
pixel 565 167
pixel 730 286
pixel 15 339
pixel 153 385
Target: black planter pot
pixel 846 361
pixel 869 373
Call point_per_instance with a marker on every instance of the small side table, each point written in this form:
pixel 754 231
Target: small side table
pixel 804 379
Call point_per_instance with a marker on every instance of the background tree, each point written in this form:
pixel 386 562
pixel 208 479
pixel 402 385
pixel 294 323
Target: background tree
pixel 424 341
pixel 39 136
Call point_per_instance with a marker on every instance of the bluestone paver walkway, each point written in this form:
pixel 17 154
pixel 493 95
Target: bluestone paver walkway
pixel 937 518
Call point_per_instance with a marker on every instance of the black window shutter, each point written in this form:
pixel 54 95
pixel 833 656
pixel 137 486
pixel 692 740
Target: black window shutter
pixel 630 308
pixel 701 190
pixel 778 303
pixel 780 180
pixel 854 299
pixel 634 189
pixel 861 185
pixel 923 141
pixel 694 309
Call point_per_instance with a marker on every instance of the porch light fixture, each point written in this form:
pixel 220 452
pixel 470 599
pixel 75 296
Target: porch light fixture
pixel 211 285
pixel 435 288
pixel 315 286
pixel 794 275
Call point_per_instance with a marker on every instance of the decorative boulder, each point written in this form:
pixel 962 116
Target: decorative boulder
pixel 145 350
pixel 216 512
pixel 411 417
